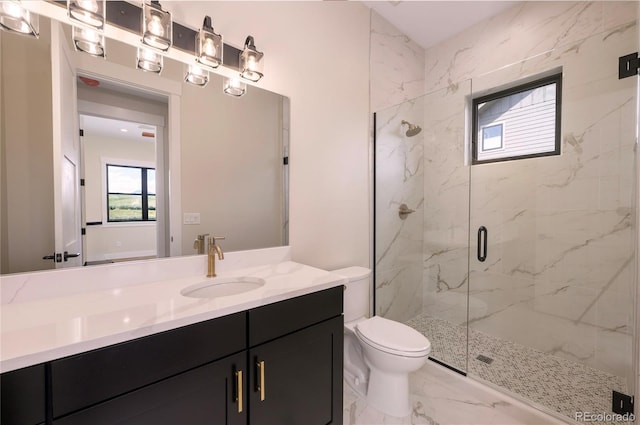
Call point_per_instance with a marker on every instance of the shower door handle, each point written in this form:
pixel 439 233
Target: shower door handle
pixel 483 236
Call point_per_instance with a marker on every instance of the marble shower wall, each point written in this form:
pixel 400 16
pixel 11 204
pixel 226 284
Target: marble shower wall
pixel 560 272
pixel 396 65
pixel 397 75
pixel 399 180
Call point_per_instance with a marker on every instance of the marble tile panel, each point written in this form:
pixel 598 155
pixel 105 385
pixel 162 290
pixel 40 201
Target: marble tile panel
pixel 399 292
pixel 507 39
pixel 399 180
pixel 397 65
pixel 618 13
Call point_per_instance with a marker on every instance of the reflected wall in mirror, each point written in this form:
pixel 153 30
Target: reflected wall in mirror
pixel 231 171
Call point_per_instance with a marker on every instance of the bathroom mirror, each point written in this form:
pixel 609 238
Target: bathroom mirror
pixel 232 167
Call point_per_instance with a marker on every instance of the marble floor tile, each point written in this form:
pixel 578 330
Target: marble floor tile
pixel 443 397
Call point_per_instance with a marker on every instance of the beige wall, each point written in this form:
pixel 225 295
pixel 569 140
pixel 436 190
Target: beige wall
pixel 27 161
pixel 113 240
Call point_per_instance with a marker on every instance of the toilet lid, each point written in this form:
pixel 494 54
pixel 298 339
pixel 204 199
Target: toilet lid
pixel 393 336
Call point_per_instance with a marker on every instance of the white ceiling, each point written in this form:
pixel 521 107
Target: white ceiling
pixel 107 127
pixel 430 22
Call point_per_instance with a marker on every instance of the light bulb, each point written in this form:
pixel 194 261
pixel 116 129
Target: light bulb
pixel 251 63
pixel 90 35
pixel 155 26
pixel 12 9
pixel 148 55
pixel 209 47
pixel 88 5
pixel 234 87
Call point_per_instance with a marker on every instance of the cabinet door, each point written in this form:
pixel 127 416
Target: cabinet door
pixel 205 395
pixel 84 380
pixel 297 379
pixel 23 396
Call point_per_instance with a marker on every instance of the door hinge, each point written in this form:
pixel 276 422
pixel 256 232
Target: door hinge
pixel 628 65
pixel 81 133
pixel 285 160
pixel 83 230
pixel 622 403
pixel 81 182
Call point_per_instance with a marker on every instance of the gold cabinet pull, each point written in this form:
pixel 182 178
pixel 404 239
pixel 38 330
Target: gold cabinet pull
pixel 261 368
pixel 240 395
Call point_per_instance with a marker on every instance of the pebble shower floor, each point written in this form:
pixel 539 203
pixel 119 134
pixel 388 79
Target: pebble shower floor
pixel 558 384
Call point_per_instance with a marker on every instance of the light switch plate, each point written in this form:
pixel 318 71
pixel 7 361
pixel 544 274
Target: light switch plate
pixel 191 218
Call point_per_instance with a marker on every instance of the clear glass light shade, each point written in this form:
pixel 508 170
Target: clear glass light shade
pixel 234 87
pixel 150 61
pixel 88 40
pixel 209 48
pixel 14 17
pixel 156 25
pixel 251 64
pixel 197 76
pixel 87 12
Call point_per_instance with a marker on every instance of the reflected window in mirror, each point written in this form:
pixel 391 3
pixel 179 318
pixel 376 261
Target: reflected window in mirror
pixel 131 193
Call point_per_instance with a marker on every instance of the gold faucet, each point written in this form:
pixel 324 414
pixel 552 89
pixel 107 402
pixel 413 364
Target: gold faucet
pixel 214 248
pixel 198 244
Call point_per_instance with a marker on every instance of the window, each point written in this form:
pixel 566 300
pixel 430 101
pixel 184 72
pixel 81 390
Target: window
pixel 131 193
pixel 521 122
pixel 492 137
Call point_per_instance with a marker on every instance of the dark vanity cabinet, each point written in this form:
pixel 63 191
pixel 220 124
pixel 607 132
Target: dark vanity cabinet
pixel 198 396
pixel 22 396
pixel 276 364
pixel 295 360
pixel 179 376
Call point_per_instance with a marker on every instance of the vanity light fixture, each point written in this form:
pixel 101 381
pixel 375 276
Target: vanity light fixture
pixel 251 65
pixel 87 12
pixel 156 26
pixel 234 87
pixel 149 60
pixel 197 75
pixel 15 18
pixel 209 45
pixel 88 40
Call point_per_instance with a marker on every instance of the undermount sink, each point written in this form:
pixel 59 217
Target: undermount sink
pixel 222 287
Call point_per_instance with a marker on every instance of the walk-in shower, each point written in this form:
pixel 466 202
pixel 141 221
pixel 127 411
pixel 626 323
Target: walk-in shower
pixel 521 272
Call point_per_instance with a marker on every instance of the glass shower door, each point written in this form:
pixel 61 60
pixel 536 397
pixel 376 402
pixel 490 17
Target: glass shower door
pixel 421 255
pixel 552 258
pixel 446 226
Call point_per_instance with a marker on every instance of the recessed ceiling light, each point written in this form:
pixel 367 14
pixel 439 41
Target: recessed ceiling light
pixel 124 130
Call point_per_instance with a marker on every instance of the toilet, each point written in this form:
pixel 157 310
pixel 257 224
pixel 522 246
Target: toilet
pixel 379 353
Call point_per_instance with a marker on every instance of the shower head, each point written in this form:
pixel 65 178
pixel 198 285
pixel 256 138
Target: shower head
pixel 412 129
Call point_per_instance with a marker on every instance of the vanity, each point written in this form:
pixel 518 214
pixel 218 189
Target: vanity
pixel 143 353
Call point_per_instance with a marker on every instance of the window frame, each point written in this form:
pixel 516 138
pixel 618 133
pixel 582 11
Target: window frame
pixel 144 193
pixel 519 88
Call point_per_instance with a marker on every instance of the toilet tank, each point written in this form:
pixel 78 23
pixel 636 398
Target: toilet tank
pixel 357 295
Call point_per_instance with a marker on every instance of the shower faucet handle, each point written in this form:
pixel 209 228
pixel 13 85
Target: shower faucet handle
pixel 404 211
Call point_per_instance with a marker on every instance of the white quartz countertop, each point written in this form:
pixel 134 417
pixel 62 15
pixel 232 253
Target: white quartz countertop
pixel 41 330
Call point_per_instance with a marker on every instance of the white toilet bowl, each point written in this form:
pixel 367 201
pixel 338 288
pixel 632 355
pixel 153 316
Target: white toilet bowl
pixel 379 353
pixel 392 351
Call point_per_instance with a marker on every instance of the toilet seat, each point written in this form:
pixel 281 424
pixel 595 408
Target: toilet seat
pixel 392 337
